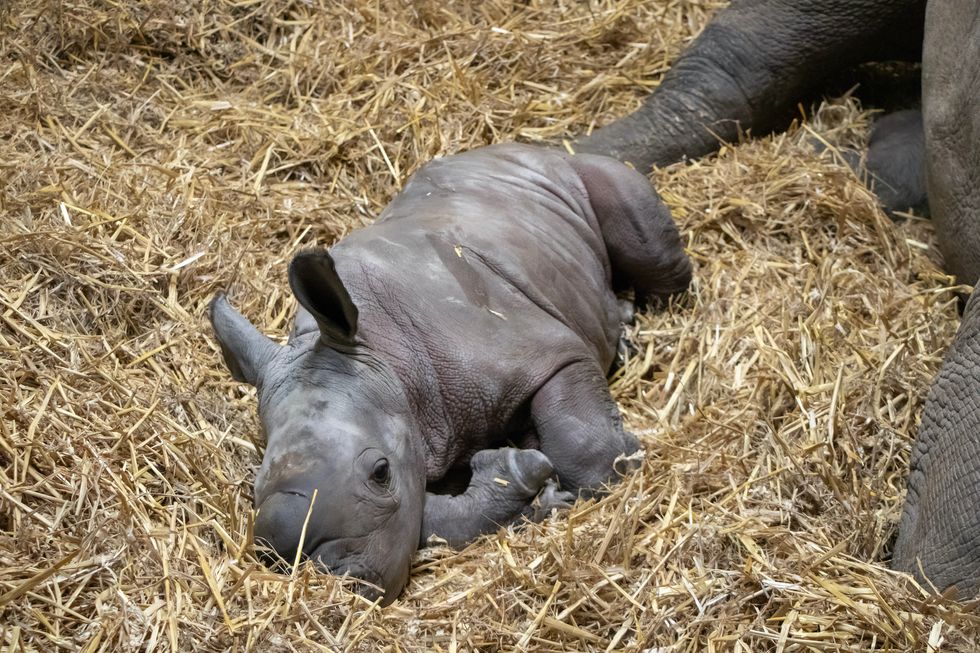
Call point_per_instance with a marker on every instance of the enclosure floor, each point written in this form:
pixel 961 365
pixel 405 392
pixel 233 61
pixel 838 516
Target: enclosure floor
pixel 154 153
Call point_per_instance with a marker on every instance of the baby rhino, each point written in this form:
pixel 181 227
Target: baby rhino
pixel 477 312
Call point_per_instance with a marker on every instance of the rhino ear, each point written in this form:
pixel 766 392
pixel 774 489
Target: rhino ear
pixel 246 351
pixel 318 289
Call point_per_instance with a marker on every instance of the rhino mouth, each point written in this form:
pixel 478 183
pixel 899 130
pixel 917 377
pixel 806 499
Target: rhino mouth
pixel 369 583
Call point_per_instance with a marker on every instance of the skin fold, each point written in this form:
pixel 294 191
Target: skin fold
pixel 478 311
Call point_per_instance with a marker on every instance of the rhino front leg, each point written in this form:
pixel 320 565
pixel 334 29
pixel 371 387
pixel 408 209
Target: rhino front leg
pixel 505 486
pixel 580 429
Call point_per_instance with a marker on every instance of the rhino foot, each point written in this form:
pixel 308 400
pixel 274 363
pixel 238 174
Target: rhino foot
pixel 548 500
pixel 507 484
pixel 893 166
pixel 511 474
pixel 580 429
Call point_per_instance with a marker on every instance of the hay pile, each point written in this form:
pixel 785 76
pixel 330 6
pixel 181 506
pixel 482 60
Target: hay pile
pixel 155 152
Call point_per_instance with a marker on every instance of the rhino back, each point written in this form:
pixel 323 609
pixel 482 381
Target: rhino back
pixel 940 525
pixel 484 277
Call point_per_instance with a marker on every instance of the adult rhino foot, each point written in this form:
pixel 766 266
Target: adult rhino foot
pixel 894 165
pixel 896 162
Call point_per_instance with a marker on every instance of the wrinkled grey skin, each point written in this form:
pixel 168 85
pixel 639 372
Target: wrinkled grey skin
pixel 939 534
pixel 951 112
pixel 478 310
pixel 754 61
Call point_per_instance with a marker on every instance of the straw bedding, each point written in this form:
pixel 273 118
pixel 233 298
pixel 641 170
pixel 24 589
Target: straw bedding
pixel 155 152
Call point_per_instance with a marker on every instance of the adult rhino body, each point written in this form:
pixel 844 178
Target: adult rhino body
pixel 939 534
pixel 479 309
pixel 753 62
pixel 951 114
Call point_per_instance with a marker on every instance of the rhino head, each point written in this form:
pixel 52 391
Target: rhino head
pixel 342 481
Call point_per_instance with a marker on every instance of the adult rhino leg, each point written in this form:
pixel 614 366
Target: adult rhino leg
pixel 939 533
pixel 749 67
pixel 580 428
pixel 507 484
pixel 645 248
pixel 951 114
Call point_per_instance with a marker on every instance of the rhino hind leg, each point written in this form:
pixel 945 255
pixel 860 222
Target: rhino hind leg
pixel 645 249
pixel 749 67
pixel 507 484
pixel 580 428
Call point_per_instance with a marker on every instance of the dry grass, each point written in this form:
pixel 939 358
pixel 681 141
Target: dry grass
pixel 155 152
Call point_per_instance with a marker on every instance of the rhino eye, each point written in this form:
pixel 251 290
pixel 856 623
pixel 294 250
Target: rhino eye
pixel 380 472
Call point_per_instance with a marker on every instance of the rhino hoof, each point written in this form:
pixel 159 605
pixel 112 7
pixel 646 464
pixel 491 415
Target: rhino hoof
pixel 549 500
pixel 632 460
pixel 524 470
pixel 530 469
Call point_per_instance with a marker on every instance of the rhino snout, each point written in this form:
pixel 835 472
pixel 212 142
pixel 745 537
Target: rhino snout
pixel 279 527
pixel 284 522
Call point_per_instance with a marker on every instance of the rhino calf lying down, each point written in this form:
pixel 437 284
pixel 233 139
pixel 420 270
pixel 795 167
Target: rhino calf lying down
pixel 477 311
